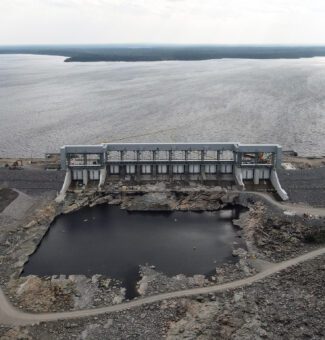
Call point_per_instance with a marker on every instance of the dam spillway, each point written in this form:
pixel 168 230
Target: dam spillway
pixel 241 163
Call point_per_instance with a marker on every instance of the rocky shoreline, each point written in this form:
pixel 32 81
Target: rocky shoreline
pixel 270 236
pixel 284 306
pixel 62 292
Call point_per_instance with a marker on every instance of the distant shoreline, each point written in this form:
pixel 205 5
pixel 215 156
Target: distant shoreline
pixel 167 53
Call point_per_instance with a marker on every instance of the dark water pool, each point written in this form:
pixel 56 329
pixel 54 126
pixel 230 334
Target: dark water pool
pixel 110 241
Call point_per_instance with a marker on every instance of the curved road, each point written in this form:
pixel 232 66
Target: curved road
pixel 11 316
pixel 298 209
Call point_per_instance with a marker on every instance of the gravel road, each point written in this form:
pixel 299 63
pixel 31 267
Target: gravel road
pixel 11 316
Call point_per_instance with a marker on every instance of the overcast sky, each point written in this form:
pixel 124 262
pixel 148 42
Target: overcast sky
pixel 162 21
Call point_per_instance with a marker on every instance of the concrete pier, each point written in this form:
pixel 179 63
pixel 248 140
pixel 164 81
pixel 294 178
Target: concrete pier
pixel 256 176
pixel 102 177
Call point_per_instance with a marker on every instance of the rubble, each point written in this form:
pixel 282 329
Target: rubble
pixel 280 307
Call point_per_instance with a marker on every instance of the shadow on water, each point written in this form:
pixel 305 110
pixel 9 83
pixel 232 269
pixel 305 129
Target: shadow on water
pixel 113 242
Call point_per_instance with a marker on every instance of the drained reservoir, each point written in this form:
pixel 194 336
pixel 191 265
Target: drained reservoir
pixel 113 242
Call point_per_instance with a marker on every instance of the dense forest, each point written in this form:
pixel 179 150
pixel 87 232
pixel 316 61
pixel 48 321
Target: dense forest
pixel 166 52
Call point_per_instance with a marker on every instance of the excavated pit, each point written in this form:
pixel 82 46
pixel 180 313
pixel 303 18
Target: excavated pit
pixel 115 242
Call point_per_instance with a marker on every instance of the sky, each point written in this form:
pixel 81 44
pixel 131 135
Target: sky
pixel 297 22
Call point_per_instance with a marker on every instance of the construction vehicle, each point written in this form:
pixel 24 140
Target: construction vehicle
pixel 16 165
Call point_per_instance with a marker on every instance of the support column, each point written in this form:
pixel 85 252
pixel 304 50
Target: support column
pixel 170 166
pixel 256 157
pixel 186 166
pixel 273 160
pixel 138 165
pixel 154 165
pixel 102 177
pixel 202 166
pixel 239 177
pixel 103 158
pixel 256 176
pixel 277 161
pixel 122 169
pixel 218 166
pixel 85 177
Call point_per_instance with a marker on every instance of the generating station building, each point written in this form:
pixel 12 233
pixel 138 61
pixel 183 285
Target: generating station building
pixel 239 163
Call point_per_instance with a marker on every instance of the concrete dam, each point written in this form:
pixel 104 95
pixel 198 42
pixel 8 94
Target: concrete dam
pixel 244 164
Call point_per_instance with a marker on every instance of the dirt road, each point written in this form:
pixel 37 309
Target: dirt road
pixel 11 316
pixel 297 209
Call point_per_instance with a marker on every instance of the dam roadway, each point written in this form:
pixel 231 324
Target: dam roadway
pixel 13 317
pixel 304 186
